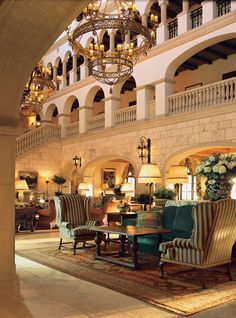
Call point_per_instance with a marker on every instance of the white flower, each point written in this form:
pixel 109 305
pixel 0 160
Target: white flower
pixel 199 168
pixel 222 169
pixel 207 162
pixel 230 165
pixel 212 181
pixel 211 158
pixel 207 169
pixel 215 168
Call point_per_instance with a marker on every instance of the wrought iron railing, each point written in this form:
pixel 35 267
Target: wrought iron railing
pixel 125 116
pixel 223 7
pixel 173 29
pixel 45 133
pixel 96 123
pixel 206 96
pixel 196 17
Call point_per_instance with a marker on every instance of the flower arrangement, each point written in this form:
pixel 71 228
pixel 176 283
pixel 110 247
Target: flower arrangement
pixel 122 205
pixel 217 166
pixel 217 169
pixel 165 193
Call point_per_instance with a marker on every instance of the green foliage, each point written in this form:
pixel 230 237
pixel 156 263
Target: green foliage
pixel 59 180
pixel 165 193
pixel 145 198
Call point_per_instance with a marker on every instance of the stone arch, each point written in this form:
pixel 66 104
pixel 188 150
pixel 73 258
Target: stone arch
pixel 185 152
pixel 148 6
pixel 67 55
pixel 49 112
pixel 57 61
pixel 68 104
pixel 193 49
pixel 89 41
pixel 91 94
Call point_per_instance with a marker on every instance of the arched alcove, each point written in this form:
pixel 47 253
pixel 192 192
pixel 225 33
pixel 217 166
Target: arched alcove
pixel 128 93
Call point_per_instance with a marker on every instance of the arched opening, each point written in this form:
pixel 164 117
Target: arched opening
pixel 49 66
pixel 98 103
pixel 194 188
pixel 128 93
pixel 51 114
pixel 80 61
pixel 69 67
pixel 74 111
pixel 55 116
pixel 106 41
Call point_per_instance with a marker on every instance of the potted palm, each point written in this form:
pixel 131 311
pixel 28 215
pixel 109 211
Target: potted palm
pixel 162 195
pixel 59 180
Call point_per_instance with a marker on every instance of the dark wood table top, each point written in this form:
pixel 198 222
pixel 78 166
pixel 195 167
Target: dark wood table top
pixel 131 230
pixel 121 213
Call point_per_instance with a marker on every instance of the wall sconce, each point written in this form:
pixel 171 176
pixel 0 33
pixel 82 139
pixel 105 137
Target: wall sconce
pixel 77 161
pixel 144 149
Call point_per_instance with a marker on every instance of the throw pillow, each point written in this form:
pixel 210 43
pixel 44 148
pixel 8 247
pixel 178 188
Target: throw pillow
pixel 148 218
pixel 183 218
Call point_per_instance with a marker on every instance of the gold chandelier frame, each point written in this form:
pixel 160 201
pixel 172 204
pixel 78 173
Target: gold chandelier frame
pixel 111 67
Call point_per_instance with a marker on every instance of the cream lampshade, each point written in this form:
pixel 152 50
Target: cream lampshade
pixel 21 186
pixel 177 174
pixel 149 173
pixel 127 187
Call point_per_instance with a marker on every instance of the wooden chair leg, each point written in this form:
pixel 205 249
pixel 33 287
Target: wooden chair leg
pixel 104 239
pixel 161 265
pixel 229 271
pixel 201 278
pixel 60 244
pixel 74 245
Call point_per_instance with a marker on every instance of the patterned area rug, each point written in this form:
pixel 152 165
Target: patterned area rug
pixel 182 294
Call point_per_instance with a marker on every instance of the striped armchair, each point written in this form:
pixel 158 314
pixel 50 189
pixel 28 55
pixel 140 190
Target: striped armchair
pixel 72 218
pixel 212 239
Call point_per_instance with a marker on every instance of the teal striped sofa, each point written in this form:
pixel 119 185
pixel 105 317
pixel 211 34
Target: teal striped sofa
pixel 211 242
pixel 73 219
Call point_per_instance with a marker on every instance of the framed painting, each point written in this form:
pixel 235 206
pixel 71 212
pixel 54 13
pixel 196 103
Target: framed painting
pixel 31 178
pixel 109 178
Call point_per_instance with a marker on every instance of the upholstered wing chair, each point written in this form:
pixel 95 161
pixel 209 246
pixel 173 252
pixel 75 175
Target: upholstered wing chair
pixel 212 239
pixel 73 220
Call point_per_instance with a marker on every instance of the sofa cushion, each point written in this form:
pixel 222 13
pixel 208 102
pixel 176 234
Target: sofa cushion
pixel 147 218
pixel 183 220
pixel 168 217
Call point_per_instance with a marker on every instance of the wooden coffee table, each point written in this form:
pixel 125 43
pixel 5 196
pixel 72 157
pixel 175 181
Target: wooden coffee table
pixel 123 231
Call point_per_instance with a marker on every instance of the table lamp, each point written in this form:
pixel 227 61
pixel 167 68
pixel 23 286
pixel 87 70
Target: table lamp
pixel 20 187
pixel 83 188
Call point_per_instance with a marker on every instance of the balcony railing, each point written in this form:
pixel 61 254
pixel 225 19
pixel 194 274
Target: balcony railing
pixel 72 129
pixel 206 96
pixel 96 123
pixel 125 116
pixel 37 137
pixel 223 7
pixel 196 17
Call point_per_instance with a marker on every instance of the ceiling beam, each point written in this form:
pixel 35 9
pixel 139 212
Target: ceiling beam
pixel 189 65
pixel 217 53
pixel 202 58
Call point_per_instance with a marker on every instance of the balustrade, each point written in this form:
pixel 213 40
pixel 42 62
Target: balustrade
pixel 205 96
pixel 97 122
pixel 38 136
pixel 72 129
pixel 125 116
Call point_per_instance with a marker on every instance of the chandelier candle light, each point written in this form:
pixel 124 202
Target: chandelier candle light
pixel 116 65
pixel 37 90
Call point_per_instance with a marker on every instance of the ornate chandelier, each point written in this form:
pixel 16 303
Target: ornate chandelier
pixel 37 90
pixel 115 65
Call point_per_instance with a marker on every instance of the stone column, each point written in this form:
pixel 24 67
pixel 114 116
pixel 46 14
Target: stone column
pixel 54 73
pixel 8 277
pixel 233 5
pixel 111 105
pixel 127 37
pixel 162 30
pixel 63 120
pixel 73 72
pixel 112 40
pixel 163 89
pixel 144 19
pixel 83 70
pixel 85 112
pixel 209 11
pixel 145 93
pixel 64 74
pixel 184 21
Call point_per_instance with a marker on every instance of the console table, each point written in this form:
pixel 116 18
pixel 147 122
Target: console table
pixel 25 219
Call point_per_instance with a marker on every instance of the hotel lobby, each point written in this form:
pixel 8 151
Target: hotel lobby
pixel 175 108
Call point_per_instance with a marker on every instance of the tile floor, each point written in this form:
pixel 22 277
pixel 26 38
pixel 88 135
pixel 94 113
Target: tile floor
pixel 47 293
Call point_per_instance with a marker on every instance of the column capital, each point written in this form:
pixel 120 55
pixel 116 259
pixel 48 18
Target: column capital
pixel 111 98
pixel 164 79
pixel 85 107
pixel 63 115
pixel 163 2
pixel 146 86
